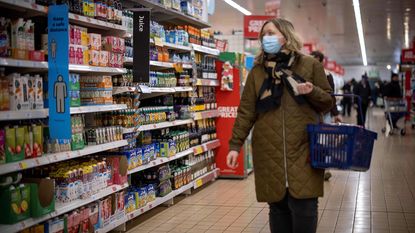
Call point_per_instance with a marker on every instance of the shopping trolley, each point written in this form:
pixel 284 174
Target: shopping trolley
pixel 341 146
pixel 395 109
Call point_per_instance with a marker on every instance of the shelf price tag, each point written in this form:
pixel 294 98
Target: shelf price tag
pixel 23 165
pixel 198 183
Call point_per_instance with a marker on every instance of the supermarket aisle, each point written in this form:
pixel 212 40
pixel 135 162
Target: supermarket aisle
pixel 381 200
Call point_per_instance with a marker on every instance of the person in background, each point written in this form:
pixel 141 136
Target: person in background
pixel 347 101
pixel 284 92
pixel 362 89
pixel 334 114
pixel 393 91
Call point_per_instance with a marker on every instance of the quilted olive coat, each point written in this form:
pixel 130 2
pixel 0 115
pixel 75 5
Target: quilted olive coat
pixel 280 140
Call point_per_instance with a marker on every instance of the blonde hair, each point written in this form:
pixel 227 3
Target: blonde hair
pixel 293 42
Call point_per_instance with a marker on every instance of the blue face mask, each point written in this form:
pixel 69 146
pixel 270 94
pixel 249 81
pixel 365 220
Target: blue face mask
pixel 271 44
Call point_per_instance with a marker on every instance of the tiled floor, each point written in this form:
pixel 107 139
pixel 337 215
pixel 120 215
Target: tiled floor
pixel 380 200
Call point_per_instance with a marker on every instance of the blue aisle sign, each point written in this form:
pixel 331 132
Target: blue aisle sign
pixel 58 75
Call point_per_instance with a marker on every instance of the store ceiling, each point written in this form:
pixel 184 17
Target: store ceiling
pixel 330 24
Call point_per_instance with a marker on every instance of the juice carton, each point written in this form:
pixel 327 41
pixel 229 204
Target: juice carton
pixel 14 203
pixel 38 92
pixel 28 142
pixel 93 57
pixel 2 145
pixel 103 58
pixel 37 141
pixel 94 41
pixel 14 150
pixel 31 92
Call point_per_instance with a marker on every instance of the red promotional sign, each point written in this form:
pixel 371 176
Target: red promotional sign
pixel 253 25
pixel 408 55
pixel 222 45
pixel 308 48
pixel 228 102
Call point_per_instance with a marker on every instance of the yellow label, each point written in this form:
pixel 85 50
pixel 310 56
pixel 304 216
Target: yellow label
pixel 178 67
pixel 199 183
pixel 198 150
pixel 158 41
pixel 23 165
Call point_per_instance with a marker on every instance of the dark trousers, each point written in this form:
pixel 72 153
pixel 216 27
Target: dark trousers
pixel 361 114
pixel 347 107
pixel 291 215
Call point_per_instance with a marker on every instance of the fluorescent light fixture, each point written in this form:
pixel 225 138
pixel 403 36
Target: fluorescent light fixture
pixel 359 26
pixel 388 67
pixel 238 7
pixel 406 31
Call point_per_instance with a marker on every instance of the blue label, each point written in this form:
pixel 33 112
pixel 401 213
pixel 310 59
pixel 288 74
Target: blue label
pixel 58 75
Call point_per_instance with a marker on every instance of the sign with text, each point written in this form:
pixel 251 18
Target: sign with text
pixel 228 102
pixel 253 25
pixel 141 45
pixel 408 56
pixel 58 72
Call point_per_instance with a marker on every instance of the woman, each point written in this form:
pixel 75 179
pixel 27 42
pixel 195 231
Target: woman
pixel 284 92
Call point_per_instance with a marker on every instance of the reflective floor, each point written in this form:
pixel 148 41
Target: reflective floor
pixel 380 200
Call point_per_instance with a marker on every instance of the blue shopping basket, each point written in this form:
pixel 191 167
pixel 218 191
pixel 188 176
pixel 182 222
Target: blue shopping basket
pixel 345 147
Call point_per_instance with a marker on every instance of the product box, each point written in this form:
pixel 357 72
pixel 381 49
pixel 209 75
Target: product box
pixel 28 142
pixel 37 140
pixel 36 55
pixel 93 58
pixel 74 82
pixel 79 55
pixel 20 54
pixel 31 92
pixel 75 98
pixel 94 41
pixel 103 58
pixel 14 204
pixel 77 142
pixel 72 57
pixel 14 144
pixel 119 166
pixel 38 92
pixel 42 196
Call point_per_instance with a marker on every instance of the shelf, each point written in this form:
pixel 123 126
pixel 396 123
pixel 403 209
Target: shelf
pixel 177 47
pixel 112 225
pixel 97 69
pixel 26 6
pixel 195 150
pixel 158 64
pixel 205 114
pixel 207 82
pixel 164 14
pixel 23 115
pixel 120 90
pixel 161 125
pixel 98 108
pixel 74 68
pixel 207 146
pixel 206 178
pixel 61 209
pixel 159 201
pixel 160 161
pixel 204 49
pixel 23 63
pixel 94 23
pixel 58 157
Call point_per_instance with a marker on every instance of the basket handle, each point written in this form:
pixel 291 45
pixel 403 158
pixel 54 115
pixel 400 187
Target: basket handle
pixel 359 103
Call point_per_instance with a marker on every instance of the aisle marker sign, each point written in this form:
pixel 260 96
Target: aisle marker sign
pixel 58 73
pixel 141 45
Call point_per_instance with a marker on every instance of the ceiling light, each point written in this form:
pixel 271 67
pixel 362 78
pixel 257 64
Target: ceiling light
pixel 359 26
pixel 238 7
pixel 388 67
pixel 408 9
pixel 406 31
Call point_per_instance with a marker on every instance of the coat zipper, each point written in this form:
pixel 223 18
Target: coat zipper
pixel 285 147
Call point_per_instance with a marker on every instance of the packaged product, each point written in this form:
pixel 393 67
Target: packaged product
pixel 19 92
pixel 130 202
pixel 38 92
pixel 94 56
pixel 14 203
pixel 37 140
pixel 103 58
pixel 94 41
pixel 142 195
pixel 14 144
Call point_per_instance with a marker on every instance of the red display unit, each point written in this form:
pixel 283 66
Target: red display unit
pixel 228 102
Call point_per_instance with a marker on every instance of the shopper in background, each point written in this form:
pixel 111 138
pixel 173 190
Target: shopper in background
pixel 393 91
pixel 362 89
pixel 285 91
pixel 334 114
pixel 347 101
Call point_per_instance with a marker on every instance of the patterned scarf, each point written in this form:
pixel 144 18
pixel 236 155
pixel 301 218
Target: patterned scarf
pixel 278 67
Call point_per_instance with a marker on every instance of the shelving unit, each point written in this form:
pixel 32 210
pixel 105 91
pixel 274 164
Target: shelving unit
pixel 206 50
pixel 43 66
pixel 23 115
pixel 94 23
pixel 25 6
pixel 98 108
pixel 164 14
pixel 58 157
pixel 195 150
pixel 61 209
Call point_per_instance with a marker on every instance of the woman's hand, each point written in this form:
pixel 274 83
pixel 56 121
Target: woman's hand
pixel 231 159
pixel 305 88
